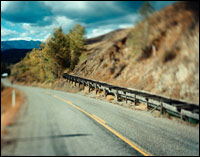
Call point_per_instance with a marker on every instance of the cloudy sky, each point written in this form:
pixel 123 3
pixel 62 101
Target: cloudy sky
pixel 35 20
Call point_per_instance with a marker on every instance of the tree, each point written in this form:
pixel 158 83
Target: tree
pixel 77 41
pixel 53 56
pixel 58 49
pixel 146 11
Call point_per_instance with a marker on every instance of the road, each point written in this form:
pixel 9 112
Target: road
pixel 53 122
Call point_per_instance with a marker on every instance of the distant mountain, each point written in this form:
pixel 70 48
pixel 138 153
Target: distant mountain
pixel 19 44
pixel 12 56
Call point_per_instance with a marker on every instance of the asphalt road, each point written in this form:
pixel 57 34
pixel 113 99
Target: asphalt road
pixel 52 122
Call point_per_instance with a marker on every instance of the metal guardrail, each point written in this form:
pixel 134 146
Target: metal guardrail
pixel 179 108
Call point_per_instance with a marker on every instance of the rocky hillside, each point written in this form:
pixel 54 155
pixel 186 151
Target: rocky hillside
pixel 168 64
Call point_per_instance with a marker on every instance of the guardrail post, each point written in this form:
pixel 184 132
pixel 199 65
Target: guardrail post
pixel 116 95
pixel 89 87
pixel 161 108
pixel 135 99
pixel 181 116
pixel 96 90
pixel 104 92
pixel 13 98
pixel 79 84
pixel 147 103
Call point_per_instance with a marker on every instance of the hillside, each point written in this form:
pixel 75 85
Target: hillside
pixel 168 65
pixel 102 37
pixel 19 44
pixel 12 56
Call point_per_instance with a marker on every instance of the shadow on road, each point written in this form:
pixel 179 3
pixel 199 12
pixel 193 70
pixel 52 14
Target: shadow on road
pixel 8 141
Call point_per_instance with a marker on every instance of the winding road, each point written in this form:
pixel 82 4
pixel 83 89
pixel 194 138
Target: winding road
pixel 53 122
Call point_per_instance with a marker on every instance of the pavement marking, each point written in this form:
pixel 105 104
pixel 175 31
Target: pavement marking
pixel 102 122
pixel 99 118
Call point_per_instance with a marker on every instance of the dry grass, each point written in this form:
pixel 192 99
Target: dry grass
pixel 156 67
pixel 8 113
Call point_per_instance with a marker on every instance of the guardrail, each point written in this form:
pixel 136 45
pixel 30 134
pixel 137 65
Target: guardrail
pixel 179 108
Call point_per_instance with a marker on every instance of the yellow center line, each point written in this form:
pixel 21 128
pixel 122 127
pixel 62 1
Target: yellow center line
pixel 48 93
pixel 98 118
pixel 102 122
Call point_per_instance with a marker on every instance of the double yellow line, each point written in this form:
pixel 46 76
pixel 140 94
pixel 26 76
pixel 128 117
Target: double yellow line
pixel 103 123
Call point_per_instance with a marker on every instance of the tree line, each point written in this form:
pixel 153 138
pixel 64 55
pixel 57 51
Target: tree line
pixel 58 53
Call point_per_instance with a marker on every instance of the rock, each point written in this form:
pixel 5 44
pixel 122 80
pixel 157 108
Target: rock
pixel 102 93
pixel 129 102
pixel 141 107
pixel 110 97
pixel 86 90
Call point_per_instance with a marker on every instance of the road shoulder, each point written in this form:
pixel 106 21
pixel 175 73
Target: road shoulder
pixel 9 113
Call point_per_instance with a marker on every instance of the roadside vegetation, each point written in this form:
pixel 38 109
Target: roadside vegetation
pixel 59 53
pixel 138 40
pixel 8 112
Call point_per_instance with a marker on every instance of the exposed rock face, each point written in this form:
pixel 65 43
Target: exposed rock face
pixel 169 65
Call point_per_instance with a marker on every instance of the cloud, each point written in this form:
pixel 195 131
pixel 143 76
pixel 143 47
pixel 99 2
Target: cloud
pixel 36 19
pixel 24 11
pixel 25 36
pixel 7 32
pixel 41 33
pixel 67 6
pixel 98 31
pixel 63 21
pixel 81 8
pixel 35 12
pixel 21 38
pixel 102 27
pixel 4 5
pixel 121 26
pixel 126 19
pixel 86 11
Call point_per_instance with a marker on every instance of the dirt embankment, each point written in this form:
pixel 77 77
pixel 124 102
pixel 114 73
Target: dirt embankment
pixel 168 64
pixel 8 113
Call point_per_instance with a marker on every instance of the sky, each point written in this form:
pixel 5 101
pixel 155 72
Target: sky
pixel 35 20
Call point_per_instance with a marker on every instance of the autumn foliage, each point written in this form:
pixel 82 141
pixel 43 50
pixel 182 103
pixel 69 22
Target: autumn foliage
pixel 58 53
